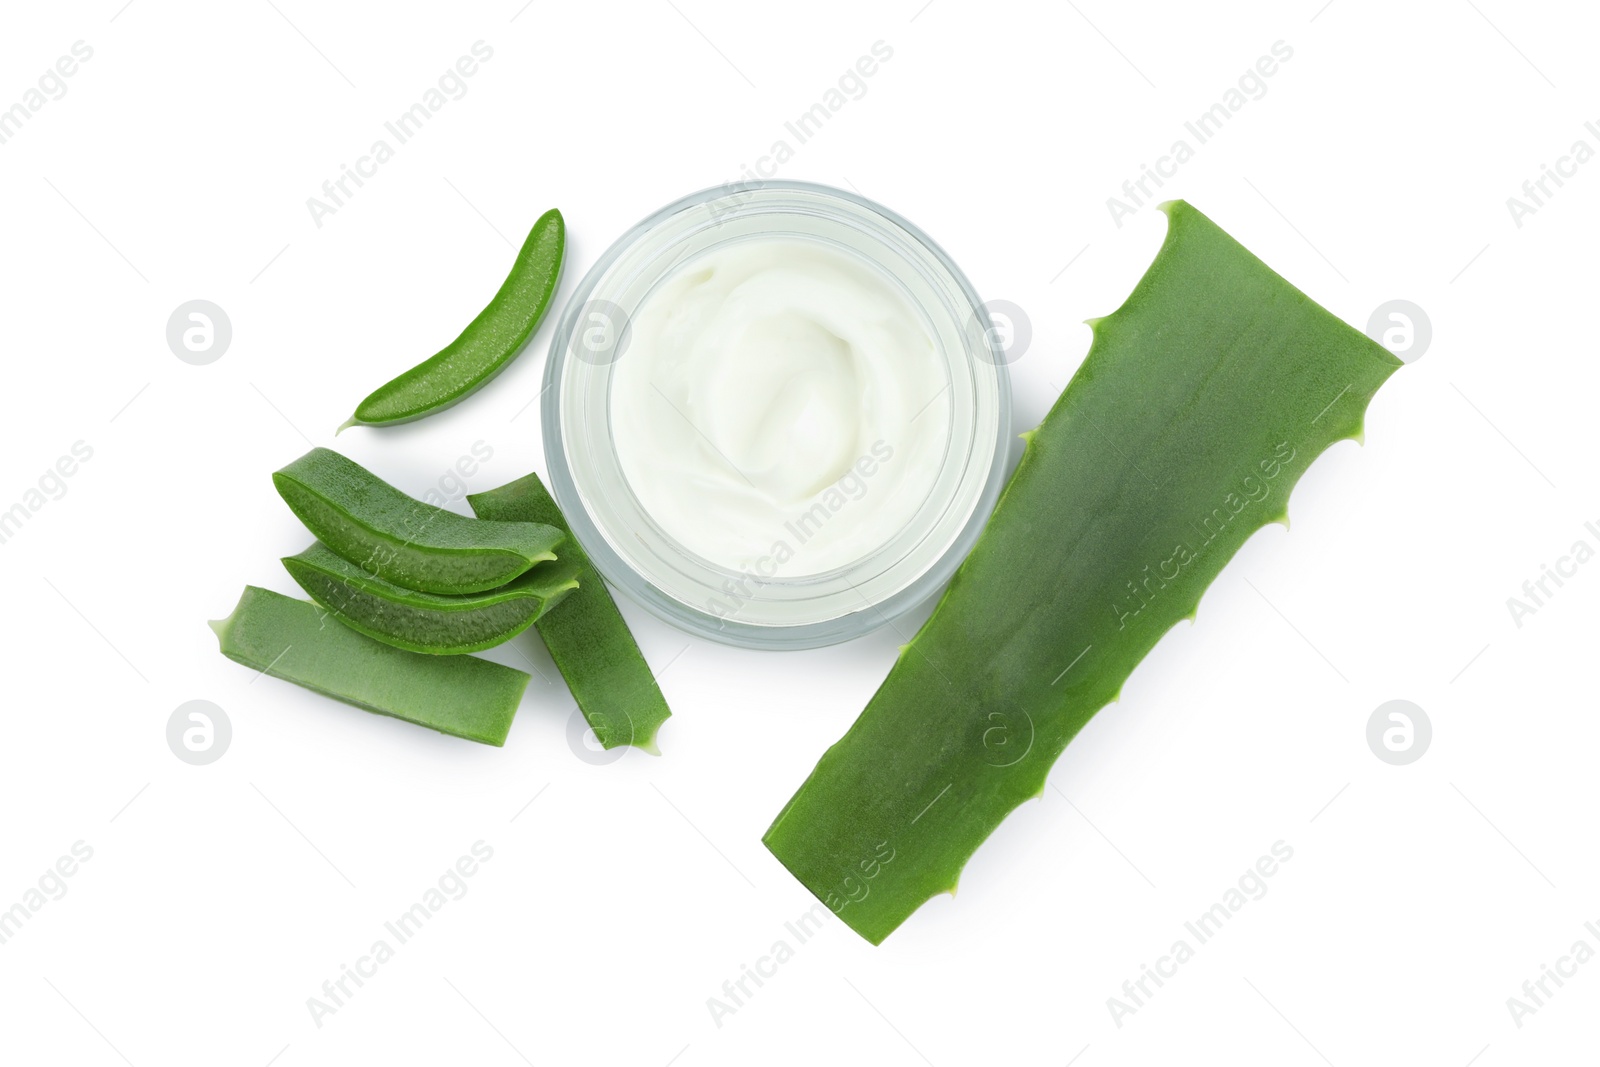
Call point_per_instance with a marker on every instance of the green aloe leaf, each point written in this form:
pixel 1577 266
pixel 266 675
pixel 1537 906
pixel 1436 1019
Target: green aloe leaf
pixel 429 622
pixel 588 638
pixel 1201 402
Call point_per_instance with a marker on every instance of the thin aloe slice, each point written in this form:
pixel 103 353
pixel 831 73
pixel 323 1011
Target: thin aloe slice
pixel 488 344
pixel 295 640
pixel 428 622
pixel 1201 402
pixel 405 541
pixel 588 638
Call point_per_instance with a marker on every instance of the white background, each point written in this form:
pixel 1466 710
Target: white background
pixel 219 898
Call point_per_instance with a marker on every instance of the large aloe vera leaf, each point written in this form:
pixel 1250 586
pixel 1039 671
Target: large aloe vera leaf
pixel 1201 402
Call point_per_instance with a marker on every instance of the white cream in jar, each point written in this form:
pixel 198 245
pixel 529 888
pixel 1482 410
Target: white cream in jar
pixel 781 408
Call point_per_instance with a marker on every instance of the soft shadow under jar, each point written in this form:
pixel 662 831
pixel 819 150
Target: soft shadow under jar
pixel 776 415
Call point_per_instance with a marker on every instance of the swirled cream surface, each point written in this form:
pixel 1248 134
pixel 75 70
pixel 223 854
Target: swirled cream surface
pixel 780 407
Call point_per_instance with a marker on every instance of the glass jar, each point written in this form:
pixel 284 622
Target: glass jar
pixel 749 606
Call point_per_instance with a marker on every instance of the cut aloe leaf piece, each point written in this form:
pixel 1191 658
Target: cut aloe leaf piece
pixel 429 622
pixel 295 640
pixel 488 344
pixel 1201 402
pixel 404 541
pixel 587 637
